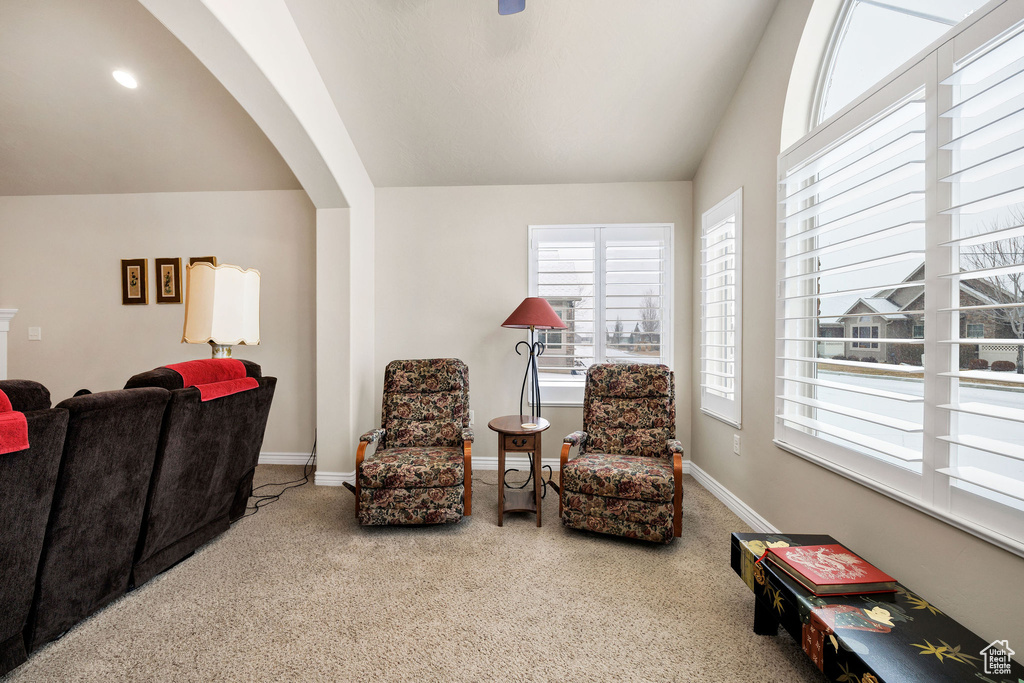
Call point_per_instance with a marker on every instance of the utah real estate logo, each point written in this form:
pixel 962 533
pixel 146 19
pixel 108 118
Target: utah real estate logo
pixel 997 657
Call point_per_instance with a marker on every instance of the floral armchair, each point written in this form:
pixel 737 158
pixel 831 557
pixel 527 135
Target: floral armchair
pixel 420 472
pixel 627 476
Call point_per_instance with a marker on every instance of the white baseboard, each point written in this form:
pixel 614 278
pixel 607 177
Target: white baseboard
pixel 334 478
pixel 739 508
pixel 519 462
pixel 283 458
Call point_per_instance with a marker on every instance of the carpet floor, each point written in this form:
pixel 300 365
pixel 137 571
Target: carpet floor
pixel 299 592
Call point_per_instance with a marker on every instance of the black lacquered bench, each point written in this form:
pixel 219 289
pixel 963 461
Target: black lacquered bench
pixel 892 637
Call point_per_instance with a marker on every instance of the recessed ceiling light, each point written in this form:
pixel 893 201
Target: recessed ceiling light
pixel 125 79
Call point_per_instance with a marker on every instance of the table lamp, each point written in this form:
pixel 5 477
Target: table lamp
pixel 222 306
pixel 535 313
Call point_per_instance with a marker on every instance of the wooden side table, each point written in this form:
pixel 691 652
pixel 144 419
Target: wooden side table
pixel 514 438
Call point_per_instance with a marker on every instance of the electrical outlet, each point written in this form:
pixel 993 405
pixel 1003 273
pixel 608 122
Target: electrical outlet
pixel 35 334
pixel 472 418
pixel 736 444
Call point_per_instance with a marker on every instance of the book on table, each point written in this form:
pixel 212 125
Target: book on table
pixel 830 570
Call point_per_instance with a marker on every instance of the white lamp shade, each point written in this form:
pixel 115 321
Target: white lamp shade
pixel 222 305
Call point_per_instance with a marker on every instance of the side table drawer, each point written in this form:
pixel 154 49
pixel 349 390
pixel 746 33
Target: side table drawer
pixel 525 442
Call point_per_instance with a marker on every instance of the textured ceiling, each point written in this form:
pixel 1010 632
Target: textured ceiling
pixel 66 127
pixel 447 92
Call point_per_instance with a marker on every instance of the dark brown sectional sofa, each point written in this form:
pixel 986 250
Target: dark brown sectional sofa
pixel 209 449
pixel 97 507
pixel 115 488
pixel 27 481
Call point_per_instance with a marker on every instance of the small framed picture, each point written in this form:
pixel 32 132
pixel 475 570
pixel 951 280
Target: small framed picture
pixel 212 260
pixel 134 286
pixel 168 280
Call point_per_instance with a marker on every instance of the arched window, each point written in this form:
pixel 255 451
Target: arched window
pixel 873 37
pixel 900 302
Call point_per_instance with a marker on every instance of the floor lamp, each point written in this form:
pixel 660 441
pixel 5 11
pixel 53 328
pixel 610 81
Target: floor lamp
pixel 535 313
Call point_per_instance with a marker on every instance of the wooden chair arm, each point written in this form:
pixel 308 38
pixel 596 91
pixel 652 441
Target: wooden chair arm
pixel 562 460
pixel 360 454
pixel 677 502
pixel 467 455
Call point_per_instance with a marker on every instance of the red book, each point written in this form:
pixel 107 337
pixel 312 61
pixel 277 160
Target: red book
pixel 830 570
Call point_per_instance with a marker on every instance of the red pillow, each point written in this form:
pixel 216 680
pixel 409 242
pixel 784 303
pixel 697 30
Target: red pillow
pixel 215 377
pixel 13 427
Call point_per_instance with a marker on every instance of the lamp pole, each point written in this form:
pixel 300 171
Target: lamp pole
pixel 534 348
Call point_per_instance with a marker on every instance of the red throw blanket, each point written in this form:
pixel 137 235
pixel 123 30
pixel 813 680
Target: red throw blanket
pixel 13 427
pixel 215 377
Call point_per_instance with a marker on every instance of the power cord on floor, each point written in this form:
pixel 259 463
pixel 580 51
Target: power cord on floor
pixel 263 500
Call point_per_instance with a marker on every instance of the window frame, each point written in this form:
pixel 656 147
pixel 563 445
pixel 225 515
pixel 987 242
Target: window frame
pixel 727 410
pixel 844 14
pixel 931 491
pixel 569 392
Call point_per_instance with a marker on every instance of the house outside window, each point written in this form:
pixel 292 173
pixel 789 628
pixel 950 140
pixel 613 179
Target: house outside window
pixel 612 286
pixel 976 330
pixel 555 340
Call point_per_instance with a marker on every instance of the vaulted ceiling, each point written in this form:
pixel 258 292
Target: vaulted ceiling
pixel 66 127
pixel 433 92
pixel 447 92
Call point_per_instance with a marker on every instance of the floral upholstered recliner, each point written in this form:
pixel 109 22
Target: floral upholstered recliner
pixel 627 477
pixel 421 470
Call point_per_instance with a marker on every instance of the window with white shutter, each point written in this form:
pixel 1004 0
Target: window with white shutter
pixel 982 160
pixel 851 250
pixel 612 286
pixel 900 327
pixel 721 309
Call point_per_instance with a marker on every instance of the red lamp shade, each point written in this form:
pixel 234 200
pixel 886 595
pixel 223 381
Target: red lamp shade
pixel 534 312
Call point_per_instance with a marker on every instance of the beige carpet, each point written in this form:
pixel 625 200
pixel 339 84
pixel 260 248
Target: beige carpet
pixel 300 593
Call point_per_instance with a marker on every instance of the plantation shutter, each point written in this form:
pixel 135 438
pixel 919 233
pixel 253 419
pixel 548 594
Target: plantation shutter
pixel 721 315
pixel 636 293
pixel 612 286
pixel 985 202
pixel 567 271
pixel 851 266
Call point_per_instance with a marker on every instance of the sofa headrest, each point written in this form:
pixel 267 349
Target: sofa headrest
pixel 121 400
pixel 26 395
pixel 166 378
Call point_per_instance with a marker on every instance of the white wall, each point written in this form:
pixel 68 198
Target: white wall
pixel 971 580
pixel 60 267
pixel 256 51
pixel 452 263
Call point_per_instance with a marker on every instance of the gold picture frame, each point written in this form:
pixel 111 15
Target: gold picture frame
pixel 212 260
pixel 134 282
pixel 168 280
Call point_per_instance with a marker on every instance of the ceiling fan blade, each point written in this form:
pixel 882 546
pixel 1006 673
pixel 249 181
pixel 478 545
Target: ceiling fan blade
pixel 511 6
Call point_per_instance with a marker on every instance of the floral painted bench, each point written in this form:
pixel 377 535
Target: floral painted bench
pixel 866 638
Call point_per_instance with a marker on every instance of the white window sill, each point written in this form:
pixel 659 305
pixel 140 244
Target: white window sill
pixel 562 394
pixel 993 537
pixel 722 418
